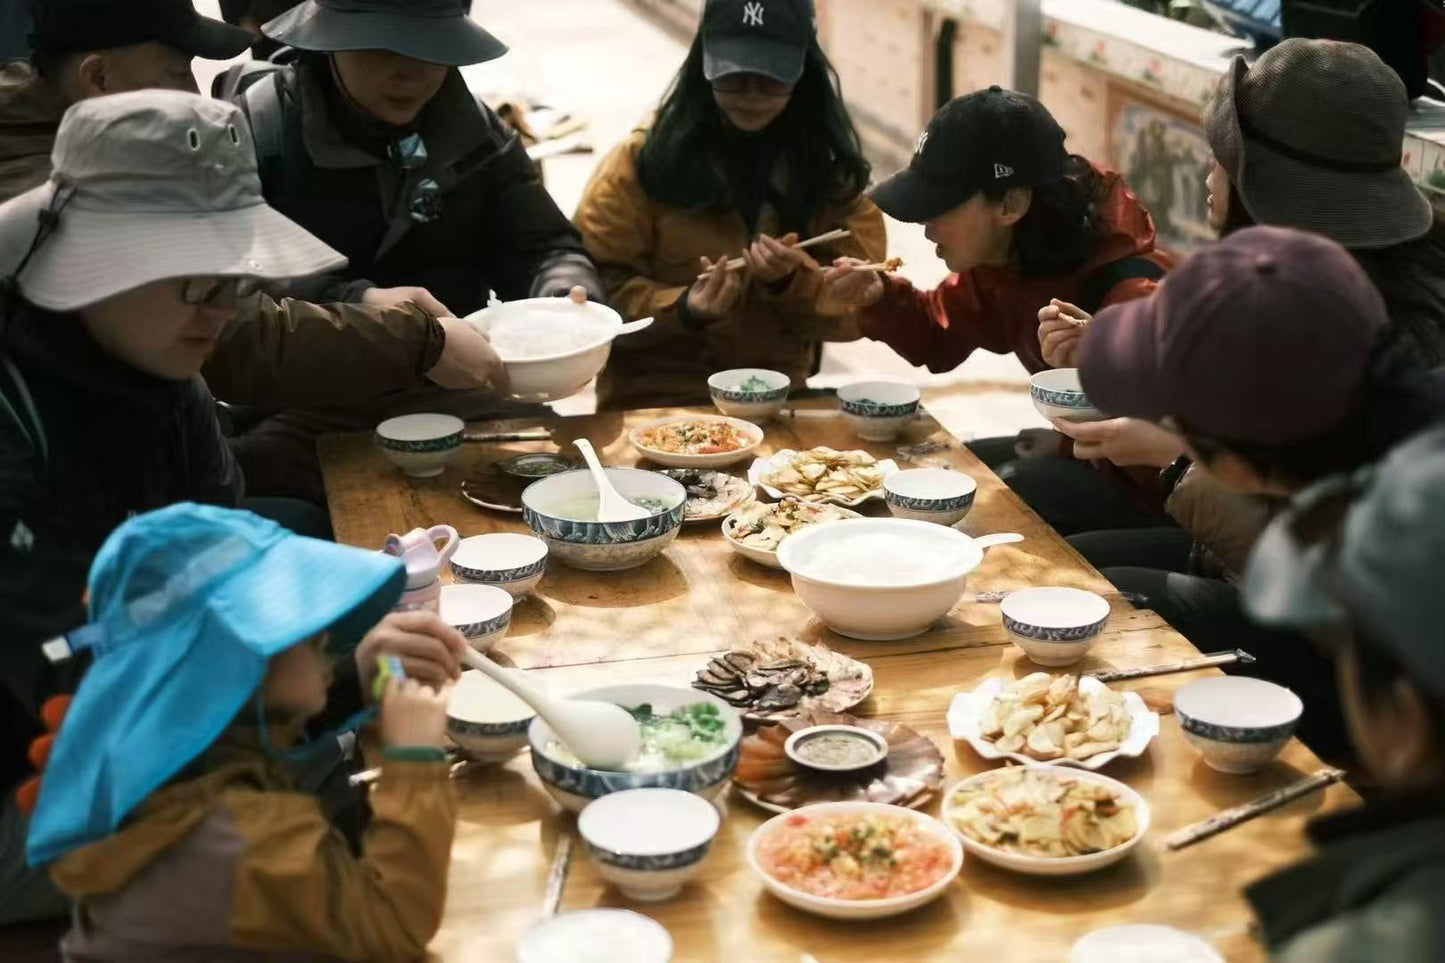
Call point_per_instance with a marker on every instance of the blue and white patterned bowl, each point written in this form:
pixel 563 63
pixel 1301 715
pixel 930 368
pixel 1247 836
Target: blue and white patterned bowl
pixel 513 563
pixel 486 720
pixel 649 842
pixel 482 613
pixel 1057 394
pixel 1054 626
pixel 575 785
pixel 1238 724
pixel 420 445
pixel 879 410
pixel 603 546
pixel 732 400
pixel 930 495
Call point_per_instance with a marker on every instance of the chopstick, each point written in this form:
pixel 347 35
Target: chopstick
pixel 890 265
pixel 1230 818
pixel 557 879
pixel 1186 665
pixel 737 263
pixel 540 434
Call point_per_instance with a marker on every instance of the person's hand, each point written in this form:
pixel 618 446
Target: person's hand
pixel 1123 441
pixel 468 360
pixel 395 297
pixel 773 260
pixel 429 649
pixel 578 294
pixel 715 292
pixel 413 715
pixel 1061 330
pixel 845 288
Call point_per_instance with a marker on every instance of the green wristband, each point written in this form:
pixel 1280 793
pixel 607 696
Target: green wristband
pixel 414 754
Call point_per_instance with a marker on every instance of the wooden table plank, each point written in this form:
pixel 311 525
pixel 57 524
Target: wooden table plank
pixel 657 623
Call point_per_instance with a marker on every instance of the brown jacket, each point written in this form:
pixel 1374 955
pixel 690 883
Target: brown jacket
pixel 235 866
pixel 1224 523
pixel 648 256
pixel 277 354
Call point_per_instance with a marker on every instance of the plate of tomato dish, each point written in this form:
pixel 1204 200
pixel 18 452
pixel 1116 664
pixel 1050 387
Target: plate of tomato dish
pixel 694 441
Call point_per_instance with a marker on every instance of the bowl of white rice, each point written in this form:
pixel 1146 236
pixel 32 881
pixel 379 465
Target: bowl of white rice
pixel 551 347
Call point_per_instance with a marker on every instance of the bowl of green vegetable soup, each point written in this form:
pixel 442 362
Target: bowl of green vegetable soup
pixel 562 510
pixel 690 742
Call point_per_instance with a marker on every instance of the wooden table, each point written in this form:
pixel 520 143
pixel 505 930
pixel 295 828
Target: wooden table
pixel 655 623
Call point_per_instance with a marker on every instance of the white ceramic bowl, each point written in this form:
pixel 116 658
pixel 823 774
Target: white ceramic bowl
pixel 513 563
pixel 482 613
pixel 1142 942
pixel 553 376
pixel 599 546
pixel 420 445
pixel 574 786
pixel 1238 724
pixel 752 432
pixel 859 909
pixel 839 571
pixel 1058 394
pixel 485 719
pixel 725 387
pixel 596 934
pixel 649 842
pixel 930 495
pixel 1054 626
pixel 879 410
pixel 1062 866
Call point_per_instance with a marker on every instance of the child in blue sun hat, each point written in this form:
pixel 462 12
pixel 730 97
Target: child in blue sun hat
pixel 167 811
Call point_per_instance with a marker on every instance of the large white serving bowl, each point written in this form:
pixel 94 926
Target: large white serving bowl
pixel 1058 394
pixel 877 612
pixel 1238 724
pixel 728 395
pixel 604 546
pixel 1061 866
pixel 752 432
pixel 857 909
pixel 553 376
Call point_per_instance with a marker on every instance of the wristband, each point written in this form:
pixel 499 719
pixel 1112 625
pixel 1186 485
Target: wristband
pixel 414 754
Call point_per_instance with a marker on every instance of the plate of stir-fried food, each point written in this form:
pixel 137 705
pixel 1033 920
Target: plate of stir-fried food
pixel 846 478
pixel 1046 821
pixel 756 530
pixel 696 441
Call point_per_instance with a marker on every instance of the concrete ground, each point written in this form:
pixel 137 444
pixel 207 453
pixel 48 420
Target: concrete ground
pixel 608 62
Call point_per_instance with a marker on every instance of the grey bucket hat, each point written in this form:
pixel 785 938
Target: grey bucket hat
pixel 434 31
pixel 148 186
pixel 1381 572
pixel 1312 138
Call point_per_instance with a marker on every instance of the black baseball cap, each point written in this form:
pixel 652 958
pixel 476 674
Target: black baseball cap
pixel 79 26
pixel 989 138
pixel 768 37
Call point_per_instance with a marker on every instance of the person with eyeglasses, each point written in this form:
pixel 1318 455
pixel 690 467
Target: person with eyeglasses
pixel 751 151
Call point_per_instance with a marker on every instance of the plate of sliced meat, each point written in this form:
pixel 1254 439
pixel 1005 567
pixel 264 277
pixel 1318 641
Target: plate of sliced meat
pixel 781 678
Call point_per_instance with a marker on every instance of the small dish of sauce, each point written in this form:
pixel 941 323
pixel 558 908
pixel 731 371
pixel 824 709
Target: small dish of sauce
pixel 836 748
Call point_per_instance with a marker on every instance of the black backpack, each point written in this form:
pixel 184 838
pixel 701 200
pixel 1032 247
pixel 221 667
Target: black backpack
pixel 1097 285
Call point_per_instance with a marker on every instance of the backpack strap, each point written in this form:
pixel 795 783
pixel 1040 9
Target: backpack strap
pixel 255 87
pixel 1097 285
pixel 16 404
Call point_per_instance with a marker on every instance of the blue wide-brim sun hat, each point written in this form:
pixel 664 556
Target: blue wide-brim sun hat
pixel 187 606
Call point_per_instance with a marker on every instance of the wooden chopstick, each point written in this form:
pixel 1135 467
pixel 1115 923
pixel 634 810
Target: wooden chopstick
pixel 481 437
pixel 1185 665
pixel 892 264
pixel 1230 818
pixel 557 879
pixel 737 263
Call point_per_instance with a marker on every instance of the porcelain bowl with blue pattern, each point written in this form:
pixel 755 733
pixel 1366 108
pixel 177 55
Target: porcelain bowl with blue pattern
pixel 556 509
pixel 930 495
pixel 1058 394
pixel 574 785
pixel 1054 626
pixel 487 721
pixel 765 397
pixel 512 562
pixel 481 613
pixel 649 842
pixel 879 410
pixel 420 445
pixel 1238 724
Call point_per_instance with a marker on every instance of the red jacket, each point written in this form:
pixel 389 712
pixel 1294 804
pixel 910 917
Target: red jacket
pixel 996 308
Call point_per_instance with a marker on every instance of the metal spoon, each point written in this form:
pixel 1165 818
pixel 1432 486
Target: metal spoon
pixel 611 507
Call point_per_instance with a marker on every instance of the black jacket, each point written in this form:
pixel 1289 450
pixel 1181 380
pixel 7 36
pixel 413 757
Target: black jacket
pixel 111 442
pixel 495 227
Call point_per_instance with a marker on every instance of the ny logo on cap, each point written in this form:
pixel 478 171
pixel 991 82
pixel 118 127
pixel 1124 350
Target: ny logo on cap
pixel 1000 171
pixel 922 142
pixel 753 14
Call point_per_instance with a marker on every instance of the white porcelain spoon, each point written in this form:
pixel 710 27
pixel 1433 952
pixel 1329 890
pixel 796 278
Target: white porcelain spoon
pixel 600 734
pixel 632 327
pixel 1003 538
pixel 611 507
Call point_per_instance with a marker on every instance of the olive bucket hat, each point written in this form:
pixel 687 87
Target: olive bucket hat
pixel 434 31
pixel 1311 137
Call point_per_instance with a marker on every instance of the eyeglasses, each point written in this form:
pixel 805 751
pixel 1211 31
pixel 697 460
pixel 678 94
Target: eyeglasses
pixel 217 292
pixel 751 83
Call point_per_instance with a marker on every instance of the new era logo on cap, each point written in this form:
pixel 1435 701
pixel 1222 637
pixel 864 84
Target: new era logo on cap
pixel 753 14
pixel 1000 171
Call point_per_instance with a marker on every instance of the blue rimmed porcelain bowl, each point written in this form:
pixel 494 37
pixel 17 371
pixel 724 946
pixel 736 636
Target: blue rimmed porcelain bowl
pixel 486 720
pixel 754 404
pixel 649 842
pixel 482 613
pixel 1238 724
pixel 555 507
pixel 1054 626
pixel 930 495
pixel 513 563
pixel 574 786
pixel 879 410
pixel 1057 393
pixel 420 445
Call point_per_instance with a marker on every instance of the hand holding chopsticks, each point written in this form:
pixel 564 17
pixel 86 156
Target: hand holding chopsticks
pixel 738 263
pixel 1230 818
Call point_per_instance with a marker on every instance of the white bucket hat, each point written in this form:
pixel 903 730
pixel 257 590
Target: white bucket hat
pixel 149 186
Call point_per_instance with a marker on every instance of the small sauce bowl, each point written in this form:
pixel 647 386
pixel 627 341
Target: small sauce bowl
pixel 836 748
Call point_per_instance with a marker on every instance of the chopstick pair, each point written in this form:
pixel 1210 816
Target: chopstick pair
pixel 1210 661
pixel 1243 813
pixel 738 263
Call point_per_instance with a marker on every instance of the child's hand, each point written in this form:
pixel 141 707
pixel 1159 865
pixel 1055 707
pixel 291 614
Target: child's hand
pixel 430 650
pixel 413 715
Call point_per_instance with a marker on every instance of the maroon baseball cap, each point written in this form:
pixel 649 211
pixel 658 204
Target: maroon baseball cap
pixel 1263 338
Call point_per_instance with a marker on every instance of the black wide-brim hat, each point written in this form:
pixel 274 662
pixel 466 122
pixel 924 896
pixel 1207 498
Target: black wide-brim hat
pixel 434 31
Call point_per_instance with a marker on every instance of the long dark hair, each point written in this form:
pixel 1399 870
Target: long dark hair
pixel 819 144
pixel 1059 232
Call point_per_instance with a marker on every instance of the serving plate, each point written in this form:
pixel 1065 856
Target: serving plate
pixel 766 466
pixel 668 459
pixel 762 556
